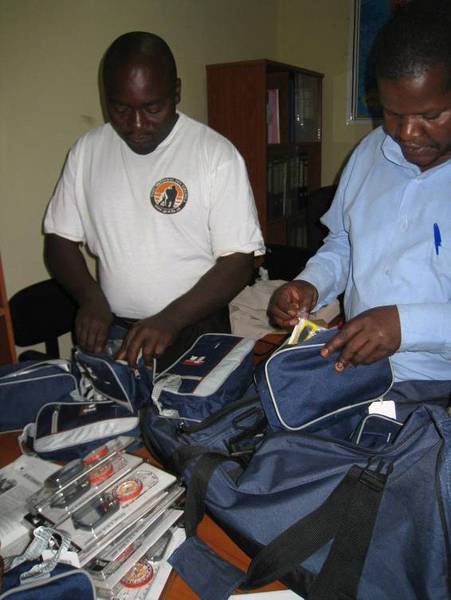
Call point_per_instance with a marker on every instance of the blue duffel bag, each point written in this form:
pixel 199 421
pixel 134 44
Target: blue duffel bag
pixel 205 399
pixel 26 386
pixel 349 505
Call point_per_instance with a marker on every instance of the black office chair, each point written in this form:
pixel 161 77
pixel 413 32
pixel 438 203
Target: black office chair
pixel 40 313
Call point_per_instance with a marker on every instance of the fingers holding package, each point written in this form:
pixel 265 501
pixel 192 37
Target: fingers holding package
pixel 291 301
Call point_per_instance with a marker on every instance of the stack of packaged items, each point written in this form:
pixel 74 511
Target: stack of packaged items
pixel 120 514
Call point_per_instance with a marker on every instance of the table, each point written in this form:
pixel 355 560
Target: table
pixel 212 534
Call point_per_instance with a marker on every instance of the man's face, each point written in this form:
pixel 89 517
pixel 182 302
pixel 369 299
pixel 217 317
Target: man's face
pixel 141 100
pixel 417 115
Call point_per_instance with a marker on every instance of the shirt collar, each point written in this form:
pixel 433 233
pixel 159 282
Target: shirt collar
pixel 392 152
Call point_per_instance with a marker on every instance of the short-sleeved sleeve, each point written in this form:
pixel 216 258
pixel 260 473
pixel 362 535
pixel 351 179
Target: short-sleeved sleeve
pixel 233 218
pixel 62 217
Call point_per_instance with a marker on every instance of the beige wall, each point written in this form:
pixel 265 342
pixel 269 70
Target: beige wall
pixel 316 34
pixel 49 55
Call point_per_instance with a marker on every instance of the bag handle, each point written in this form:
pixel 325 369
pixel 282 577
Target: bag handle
pixel 347 516
pixel 340 574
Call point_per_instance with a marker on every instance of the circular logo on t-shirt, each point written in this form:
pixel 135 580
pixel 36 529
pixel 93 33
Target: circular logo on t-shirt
pixel 169 195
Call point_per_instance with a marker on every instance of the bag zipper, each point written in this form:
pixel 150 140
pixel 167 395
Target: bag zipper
pixel 217 416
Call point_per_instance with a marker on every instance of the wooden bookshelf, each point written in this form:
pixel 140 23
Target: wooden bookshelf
pixel 7 346
pixel 283 173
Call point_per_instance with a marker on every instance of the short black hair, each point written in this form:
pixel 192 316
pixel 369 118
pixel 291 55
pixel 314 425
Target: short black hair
pixel 416 39
pixel 137 45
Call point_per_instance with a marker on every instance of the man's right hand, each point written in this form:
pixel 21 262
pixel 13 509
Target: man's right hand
pixel 68 266
pixel 290 301
pixel 92 324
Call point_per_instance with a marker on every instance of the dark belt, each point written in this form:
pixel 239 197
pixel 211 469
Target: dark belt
pixel 124 322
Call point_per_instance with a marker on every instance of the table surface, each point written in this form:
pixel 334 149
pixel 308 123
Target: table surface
pixel 212 534
pixel 176 588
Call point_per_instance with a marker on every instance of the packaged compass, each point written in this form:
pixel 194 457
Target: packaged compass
pixel 147 577
pixel 109 514
pixel 139 568
pixel 72 486
pixel 135 541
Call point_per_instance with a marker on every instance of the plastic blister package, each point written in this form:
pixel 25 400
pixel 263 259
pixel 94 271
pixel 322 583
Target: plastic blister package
pixel 145 578
pixel 69 488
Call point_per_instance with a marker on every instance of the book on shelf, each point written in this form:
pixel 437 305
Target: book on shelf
pixel 273 116
pixel 287 185
pixel 303 182
pixel 277 187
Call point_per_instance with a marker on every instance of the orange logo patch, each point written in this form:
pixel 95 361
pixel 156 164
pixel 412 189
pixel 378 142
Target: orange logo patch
pixel 169 195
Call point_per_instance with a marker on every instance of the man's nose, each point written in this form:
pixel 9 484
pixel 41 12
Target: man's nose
pixel 138 120
pixel 409 127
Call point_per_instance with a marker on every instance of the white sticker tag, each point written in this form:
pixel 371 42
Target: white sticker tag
pixel 383 407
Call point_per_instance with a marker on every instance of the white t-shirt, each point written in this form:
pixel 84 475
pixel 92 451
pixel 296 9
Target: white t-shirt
pixel 156 222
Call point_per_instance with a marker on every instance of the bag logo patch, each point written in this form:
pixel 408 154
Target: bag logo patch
pixel 169 195
pixel 194 361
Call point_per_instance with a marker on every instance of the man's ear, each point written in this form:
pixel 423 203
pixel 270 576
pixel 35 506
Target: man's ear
pixel 178 90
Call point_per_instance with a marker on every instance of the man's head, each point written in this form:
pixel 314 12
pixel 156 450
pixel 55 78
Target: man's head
pixel 412 58
pixel 141 89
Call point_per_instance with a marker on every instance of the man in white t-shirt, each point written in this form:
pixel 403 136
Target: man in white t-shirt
pixel 165 205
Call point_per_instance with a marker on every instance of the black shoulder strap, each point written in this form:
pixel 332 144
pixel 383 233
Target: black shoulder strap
pixel 340 575
pixel 197 488
pixel 347 516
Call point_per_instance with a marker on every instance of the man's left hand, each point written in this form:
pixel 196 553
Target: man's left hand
pixel 367 338
pixel 153 335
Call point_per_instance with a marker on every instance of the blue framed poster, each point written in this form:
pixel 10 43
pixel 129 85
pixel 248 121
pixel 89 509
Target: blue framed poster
pixel 369 17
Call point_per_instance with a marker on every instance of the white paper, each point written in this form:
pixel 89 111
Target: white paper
pixel 28 474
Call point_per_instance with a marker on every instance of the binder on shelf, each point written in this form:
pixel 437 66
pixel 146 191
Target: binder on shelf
pixel 278 80
pixel 277 188
pixel 303 183
pixel 273 116
pixel 292 186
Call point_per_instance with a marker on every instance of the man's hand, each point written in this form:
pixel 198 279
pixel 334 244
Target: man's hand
pixel 92 324
pixel 367 338
pixel 68 266
pixel 153 335
pixel 289 302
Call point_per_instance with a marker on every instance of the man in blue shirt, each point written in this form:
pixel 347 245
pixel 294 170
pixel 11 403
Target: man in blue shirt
pixel 389 246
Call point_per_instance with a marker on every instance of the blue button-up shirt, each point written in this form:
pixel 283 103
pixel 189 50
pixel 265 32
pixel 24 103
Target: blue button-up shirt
pixel 390 243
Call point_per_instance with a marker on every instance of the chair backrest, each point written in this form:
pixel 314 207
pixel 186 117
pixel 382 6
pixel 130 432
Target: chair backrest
pixel 285 262
pixel 40 313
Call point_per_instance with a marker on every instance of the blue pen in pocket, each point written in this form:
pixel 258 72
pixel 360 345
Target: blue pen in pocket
pixel 437 238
